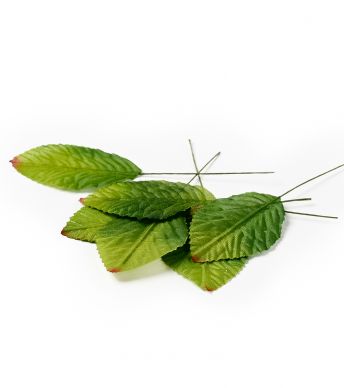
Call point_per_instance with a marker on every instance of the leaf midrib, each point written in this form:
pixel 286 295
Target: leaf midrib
pixel 138 242
pixel 89 227
pixel 76 168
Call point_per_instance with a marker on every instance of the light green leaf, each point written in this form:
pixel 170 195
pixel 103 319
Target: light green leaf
pixel 240 226
pixel 85 224
pixel 72 167
pixel 124 244
pixel 150 199
pixel 209 276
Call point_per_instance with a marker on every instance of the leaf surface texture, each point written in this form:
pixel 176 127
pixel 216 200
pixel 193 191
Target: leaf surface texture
pixel 235 227
pixel 124 244
pixel 208 276
pixel 147 199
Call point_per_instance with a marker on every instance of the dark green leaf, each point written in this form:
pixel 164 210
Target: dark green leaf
pixel 240 226
pixel 150 199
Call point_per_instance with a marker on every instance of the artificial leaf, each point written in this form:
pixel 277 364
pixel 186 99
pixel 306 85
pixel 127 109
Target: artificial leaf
pixel 72 167
pixel 236 227
pixel 150 199
pixel 85 224
pixel 208 276
pixel 124 243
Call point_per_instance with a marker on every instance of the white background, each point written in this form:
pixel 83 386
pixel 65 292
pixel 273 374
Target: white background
pixel 261 81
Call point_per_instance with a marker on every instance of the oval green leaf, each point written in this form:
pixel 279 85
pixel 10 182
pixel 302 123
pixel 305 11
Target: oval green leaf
pixel 71 167
pixel 124 244
pixel 147 199
pixel 208 276
pixel 240 226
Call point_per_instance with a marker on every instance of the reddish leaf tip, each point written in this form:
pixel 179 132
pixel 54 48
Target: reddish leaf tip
pixel 82 200
pixel 64 233
pixel 114 270
pixel 196 259
pixel 15 162
pixel 209 289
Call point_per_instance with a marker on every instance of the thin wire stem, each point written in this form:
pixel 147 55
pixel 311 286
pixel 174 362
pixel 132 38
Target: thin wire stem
pixel 205 166
pixel 208 173
pixel 195 163
pixel 310 214
pixel 297 200
pixel 309 180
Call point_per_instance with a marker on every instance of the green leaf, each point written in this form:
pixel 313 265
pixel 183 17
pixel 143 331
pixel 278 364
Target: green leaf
pixel 72 167
pixel 85 224
pixel 208 276
pixel 124 244
pixel 240 226
pixel 149 199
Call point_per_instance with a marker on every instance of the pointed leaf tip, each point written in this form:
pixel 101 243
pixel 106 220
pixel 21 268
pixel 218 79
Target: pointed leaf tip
pixel 209 289
pixel 82 200
pixel 15 161
pixel 85 224
pixel 114 270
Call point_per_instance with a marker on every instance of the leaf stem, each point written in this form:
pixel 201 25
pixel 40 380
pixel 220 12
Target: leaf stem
pixel 296 200
pixel 195 163
pixel 310 214
pixel 205 166
pixel 311 179
pixel 208 173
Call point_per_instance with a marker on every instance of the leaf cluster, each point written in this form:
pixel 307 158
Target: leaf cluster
pixel 132 223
